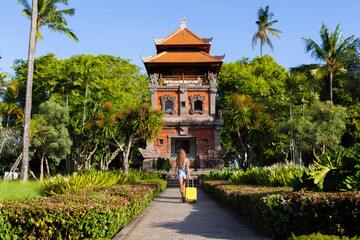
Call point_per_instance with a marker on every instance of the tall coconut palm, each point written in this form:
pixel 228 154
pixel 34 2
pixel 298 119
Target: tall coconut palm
pixel 264 28
pixel 331 50
pixel 48 15
pixel 42 12
pixel 28 98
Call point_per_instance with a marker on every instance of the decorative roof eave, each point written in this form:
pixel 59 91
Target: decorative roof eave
pixel 183 57
pixel 220 57
pixel 157 40
pixel 208 40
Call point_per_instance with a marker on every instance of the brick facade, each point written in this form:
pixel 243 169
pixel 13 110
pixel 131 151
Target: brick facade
pixel 188 100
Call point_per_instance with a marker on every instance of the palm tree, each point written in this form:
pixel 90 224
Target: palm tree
pixel 88 73
pixel 11 85
pixel 28 98
pixel 331 50
pixel 48 15
pixel 42 12
pixel 264 28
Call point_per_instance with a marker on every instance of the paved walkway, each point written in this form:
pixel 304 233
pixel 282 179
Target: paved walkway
pixel 167 218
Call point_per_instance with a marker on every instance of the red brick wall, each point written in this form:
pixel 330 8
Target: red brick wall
pixel 201 131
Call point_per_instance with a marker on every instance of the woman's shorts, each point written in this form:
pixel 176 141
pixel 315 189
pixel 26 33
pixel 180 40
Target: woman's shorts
pixel 181 174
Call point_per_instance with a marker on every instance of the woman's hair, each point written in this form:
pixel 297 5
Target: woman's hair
pixel 180 160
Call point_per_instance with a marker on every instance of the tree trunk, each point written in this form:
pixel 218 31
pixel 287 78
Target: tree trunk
pixel 126 158
pixel 86 92
pixel 28 99
pixel 42 167
pixel 314 153
pixel 331 88
pixel 261 49
pixel 3 141
pixel 112 157
pixel 47 167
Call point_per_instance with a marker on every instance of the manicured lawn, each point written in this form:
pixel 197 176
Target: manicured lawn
pixel 15 189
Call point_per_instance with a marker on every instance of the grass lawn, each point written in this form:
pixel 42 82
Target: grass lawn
pixel 14 189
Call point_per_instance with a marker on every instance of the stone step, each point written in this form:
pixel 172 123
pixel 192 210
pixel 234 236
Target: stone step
pixel 175 183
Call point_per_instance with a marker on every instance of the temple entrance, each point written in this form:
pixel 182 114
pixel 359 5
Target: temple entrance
pixel 188 144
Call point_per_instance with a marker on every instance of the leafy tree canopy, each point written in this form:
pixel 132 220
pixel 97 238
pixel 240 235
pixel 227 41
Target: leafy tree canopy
pixel 259 78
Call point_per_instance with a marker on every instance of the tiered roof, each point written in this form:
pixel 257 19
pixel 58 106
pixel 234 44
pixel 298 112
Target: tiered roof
pixel 183 46
pixel 183 37
pixel 182 57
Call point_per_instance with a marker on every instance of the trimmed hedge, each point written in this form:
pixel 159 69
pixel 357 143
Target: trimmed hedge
pixel 86 213
pixel 319 236
pixel 280 212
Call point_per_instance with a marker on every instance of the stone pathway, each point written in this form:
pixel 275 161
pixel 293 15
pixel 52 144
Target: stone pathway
pixel 167 218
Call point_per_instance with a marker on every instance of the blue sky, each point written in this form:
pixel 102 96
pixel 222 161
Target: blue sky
pixel 126 28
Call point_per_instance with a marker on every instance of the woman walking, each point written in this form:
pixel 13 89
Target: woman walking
pixel 182 172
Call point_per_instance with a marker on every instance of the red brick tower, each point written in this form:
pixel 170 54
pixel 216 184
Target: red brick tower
pixel 183 84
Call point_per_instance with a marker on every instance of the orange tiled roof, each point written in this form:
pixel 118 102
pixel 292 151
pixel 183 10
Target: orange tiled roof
pixel 182 36
pixel 182 57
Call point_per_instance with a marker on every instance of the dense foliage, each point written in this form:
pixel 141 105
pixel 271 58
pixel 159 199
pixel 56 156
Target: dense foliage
pixel 93 90
pixel 86 213
pixel 59 184
pixel 278 175
pixel 281 212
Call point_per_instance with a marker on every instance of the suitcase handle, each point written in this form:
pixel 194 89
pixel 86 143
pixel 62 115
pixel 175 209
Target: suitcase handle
pixel 192 181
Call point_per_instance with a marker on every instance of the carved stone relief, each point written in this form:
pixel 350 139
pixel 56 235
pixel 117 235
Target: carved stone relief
pixel 212 82
pixel 154 80
pixel 149 153
pixel 183 131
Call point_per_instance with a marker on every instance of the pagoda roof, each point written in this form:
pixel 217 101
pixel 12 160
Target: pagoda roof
pixel 183 57
pixel 183 36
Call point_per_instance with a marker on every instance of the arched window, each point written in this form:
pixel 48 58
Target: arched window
pixel 168 104
pixel 197 104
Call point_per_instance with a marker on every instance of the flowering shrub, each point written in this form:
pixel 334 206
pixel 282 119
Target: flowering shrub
pixel 85 213
pixel 281 212
pixel 59 184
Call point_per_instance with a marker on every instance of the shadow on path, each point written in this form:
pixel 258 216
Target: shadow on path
pixel 167 218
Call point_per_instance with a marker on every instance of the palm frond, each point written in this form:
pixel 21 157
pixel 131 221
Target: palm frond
pixel 25 4
pixel 316 51
pixel 70 11
pixel 26 13
pixel 321 71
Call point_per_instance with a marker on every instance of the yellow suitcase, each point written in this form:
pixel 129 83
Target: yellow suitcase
pixel 191 193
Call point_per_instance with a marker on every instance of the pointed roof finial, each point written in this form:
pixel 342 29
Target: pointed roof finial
pixel 183 22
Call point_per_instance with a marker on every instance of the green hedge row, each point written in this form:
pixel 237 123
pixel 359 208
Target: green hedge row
pixel 281 212
pixel 86 213
pixel 319 236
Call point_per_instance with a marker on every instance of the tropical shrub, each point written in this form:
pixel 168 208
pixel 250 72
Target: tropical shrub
pixel 162 164
pixel 337 170
pixel 319 236
pixel 138 176
pixel 273 176
pixel 59 184
pixel 225 174
pixel 85 213
pixel 281 212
